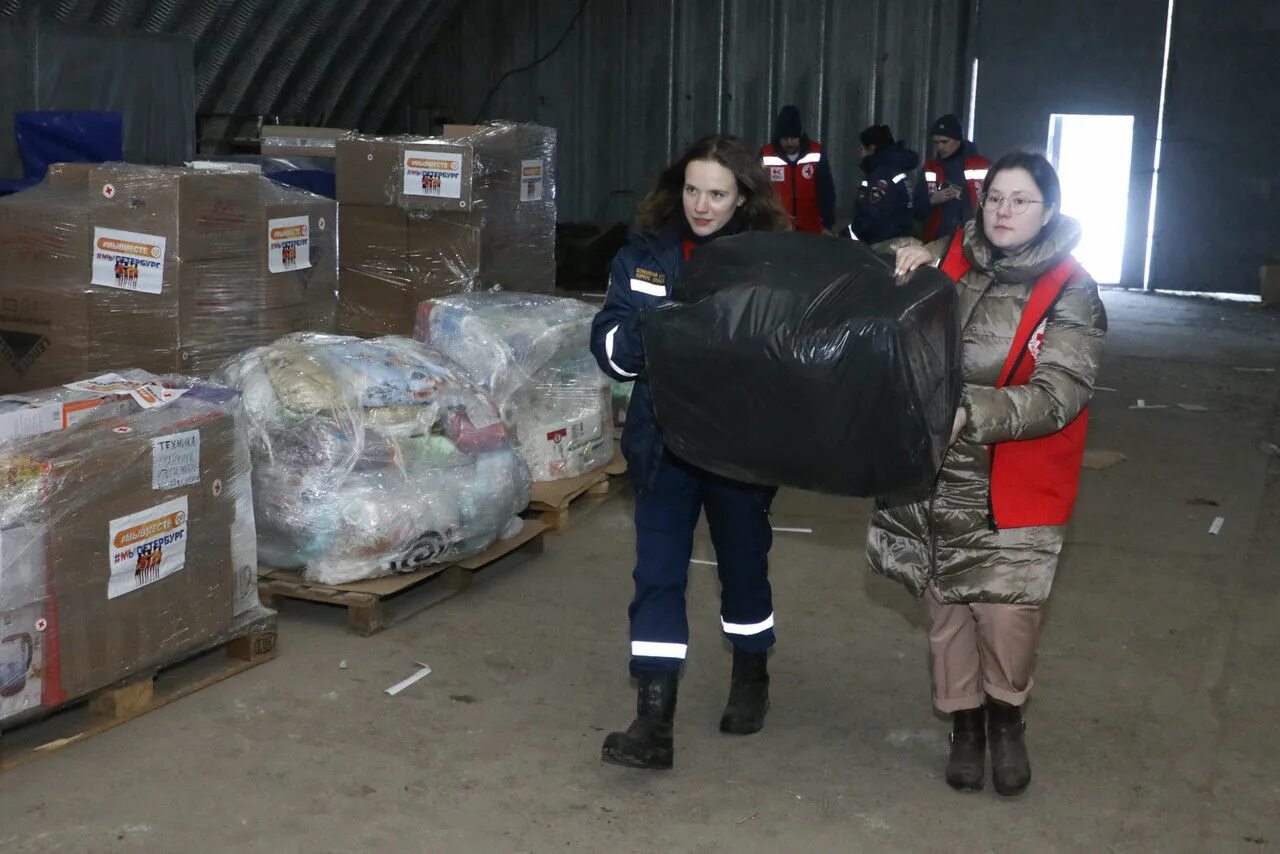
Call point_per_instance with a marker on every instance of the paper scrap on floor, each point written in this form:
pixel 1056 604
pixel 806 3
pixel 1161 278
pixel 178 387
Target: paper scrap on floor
pixel 1102 459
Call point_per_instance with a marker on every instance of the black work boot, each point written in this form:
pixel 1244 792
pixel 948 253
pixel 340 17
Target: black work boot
pixel 748 694
pixel 1010 767
pixel 967 766
pixel 647 743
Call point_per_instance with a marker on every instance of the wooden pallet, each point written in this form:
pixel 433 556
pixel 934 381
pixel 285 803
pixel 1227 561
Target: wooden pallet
pixel 553 501
pixel 369 603
pixel 253 642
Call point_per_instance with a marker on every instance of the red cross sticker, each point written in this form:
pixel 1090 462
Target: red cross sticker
pixel 217 487
pixel 108 191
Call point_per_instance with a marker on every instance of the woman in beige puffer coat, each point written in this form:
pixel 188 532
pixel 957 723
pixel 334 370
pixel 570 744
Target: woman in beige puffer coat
pixel 981 549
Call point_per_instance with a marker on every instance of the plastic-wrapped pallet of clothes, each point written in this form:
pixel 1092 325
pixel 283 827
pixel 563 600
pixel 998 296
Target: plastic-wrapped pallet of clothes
pixel 796 360
pixel 531 352
pixel 372 457
pixel 126 533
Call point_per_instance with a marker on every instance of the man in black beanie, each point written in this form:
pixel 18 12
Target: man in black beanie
pixel 800 174
pixel 947 194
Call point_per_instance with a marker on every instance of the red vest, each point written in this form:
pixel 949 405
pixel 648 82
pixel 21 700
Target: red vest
pixel 1033 481
pixel 796 184
pixel 975 172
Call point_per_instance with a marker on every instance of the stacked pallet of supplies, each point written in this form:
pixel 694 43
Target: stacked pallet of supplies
pixel 126 535
pixel 424 217
pixel 163 269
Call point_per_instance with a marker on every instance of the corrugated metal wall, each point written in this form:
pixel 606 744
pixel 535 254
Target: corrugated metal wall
pixel 345 63
pixel 1218 205
pixel 1092 57
pixel 637 81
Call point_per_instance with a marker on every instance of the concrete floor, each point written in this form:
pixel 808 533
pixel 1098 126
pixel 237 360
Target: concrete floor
pixel 1153 726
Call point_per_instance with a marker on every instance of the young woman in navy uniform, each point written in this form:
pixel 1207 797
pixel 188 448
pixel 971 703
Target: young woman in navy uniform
pixel 717 188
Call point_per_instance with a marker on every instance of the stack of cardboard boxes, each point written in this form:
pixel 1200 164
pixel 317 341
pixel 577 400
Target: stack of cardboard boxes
pixel 165 269
pixel 428 217
pixel 122 536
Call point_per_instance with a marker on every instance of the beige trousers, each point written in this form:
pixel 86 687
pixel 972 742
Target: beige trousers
pixel 981 650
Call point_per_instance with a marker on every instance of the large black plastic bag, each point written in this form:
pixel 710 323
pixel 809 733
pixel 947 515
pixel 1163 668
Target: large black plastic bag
pixel 795 360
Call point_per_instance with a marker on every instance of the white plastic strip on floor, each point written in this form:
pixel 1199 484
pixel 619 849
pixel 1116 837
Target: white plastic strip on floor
pixel 793 530
pixel 1216 527
pixel 703 562
pixel 648 288
pixel 650 649
pixel 747 629
pixel 422 673
pixel 608 353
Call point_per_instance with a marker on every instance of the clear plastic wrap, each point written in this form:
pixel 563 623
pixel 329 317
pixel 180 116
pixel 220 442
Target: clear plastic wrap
pixel 166 269
pixel 424 217
pixel 124 539
pixel 372 457
pixel 532 353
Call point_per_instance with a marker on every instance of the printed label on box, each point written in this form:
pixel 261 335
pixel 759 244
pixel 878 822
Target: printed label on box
pixel 147 546
pixel 79 411
pixel 175 460
pixel 30 421
pixel 21 659
pixel 530 180
pixel 433 173
pixel 128 260
pixel 288 244
pixel 147 395
pixel 574 436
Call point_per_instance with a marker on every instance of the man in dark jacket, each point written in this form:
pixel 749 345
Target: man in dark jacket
pixel 800 173
pixel 883 209
pixel 947 195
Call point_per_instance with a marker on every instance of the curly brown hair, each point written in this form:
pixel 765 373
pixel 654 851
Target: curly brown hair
pixel 760 212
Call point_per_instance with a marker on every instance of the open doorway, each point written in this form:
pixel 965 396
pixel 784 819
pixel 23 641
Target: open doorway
pixel 1092 155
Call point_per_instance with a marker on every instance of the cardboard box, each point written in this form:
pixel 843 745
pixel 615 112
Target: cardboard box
pixel 75 175
pixel 405 172
pixel 374 238
pixel 35 415
pixel 371 305
pixel 156 268
pixel 515 192
pixel 204 351
pixel 133 543
pixel 297 141
pixel 1269 283
pixel 22 609
pixel 392 260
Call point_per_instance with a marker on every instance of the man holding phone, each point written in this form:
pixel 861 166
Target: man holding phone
pixel 947 194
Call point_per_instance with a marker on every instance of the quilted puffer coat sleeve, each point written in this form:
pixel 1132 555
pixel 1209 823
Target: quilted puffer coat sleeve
pixel 1061 384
